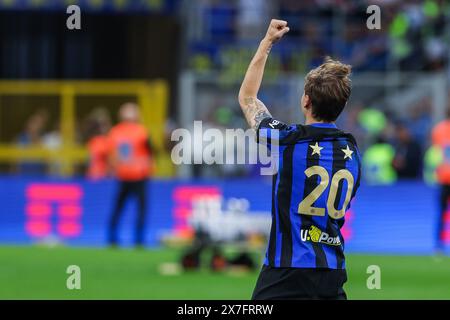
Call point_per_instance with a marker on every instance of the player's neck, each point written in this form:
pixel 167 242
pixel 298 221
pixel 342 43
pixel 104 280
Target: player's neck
pixel 311 120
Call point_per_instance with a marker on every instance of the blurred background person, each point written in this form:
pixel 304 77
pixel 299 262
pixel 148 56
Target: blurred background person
pixel 441 139
pixel 130 153
pixel 52 141
pixel 377 163
pixel 98 126
pixel 32 136
pixel 408 154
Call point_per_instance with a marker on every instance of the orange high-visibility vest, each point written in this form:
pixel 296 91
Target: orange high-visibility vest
pixel 98 157
pixel 129 151
pixel 441 138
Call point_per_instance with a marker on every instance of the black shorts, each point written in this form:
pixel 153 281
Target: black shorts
pixel 300 283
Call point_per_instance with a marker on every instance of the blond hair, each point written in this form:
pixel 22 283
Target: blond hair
pixel 328 87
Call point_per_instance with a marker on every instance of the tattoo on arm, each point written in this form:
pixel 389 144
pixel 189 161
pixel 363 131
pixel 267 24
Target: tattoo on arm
pixel 255 111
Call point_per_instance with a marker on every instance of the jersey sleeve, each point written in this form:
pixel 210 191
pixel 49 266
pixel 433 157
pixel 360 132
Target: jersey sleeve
pixel 271 131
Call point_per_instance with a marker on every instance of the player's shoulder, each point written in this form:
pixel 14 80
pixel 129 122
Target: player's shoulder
pixel 297 133
pixel 271 128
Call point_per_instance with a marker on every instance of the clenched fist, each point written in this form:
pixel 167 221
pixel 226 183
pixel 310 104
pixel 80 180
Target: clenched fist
pixel 277 29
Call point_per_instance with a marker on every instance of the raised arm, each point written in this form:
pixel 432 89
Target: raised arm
pixel 254 110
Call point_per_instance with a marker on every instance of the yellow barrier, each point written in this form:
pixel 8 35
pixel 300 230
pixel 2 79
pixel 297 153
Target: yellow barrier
pixel 151 96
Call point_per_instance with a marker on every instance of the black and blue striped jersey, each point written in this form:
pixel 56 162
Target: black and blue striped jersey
pixel 319 170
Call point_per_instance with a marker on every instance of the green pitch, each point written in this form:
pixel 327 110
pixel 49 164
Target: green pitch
pixel 40 273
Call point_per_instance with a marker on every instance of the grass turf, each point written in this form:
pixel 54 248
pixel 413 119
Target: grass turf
pixel 40 273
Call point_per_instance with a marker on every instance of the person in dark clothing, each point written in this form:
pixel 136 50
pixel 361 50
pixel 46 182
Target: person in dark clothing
pixel 128 189
pixel 408 154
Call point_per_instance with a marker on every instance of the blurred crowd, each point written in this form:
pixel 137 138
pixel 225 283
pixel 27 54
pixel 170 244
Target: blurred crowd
pixel 394 145
pixel 41 132
pixel 413 33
